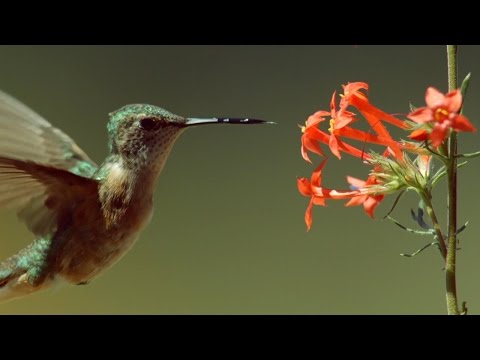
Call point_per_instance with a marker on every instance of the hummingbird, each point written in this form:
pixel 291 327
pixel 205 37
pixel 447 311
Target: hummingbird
pixel 84 217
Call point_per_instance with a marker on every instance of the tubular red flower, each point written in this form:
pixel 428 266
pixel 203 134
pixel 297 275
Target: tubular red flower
pixel 352 89
pixel 369 201
pixel 419 135
pixel 339 127
pixel 306 189
pixel 441 110
pixel 354 97
pixel 311 135
pixel 318 194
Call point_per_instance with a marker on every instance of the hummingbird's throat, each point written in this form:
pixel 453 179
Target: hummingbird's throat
pixel 124 189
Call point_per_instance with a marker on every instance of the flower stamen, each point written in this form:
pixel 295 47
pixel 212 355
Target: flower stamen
pixel 303 128
pixel 332 125
pixel 441 114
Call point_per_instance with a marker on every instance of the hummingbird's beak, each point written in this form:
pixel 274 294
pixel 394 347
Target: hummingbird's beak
pixel 242 121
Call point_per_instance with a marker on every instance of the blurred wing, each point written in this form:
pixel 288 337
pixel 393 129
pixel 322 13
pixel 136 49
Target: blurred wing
pixel 25 135
pixel 40 193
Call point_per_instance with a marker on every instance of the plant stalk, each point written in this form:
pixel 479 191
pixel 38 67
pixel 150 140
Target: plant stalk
pixel 450 262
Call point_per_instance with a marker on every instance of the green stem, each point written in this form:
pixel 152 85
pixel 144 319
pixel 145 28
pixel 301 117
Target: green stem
pixel 452 67
pixel 427 199
pixel 452 302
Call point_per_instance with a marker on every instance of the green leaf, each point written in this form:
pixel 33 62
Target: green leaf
pixel 464 88
pixel 442 172
pixel 420 250
pixel 468 156
pixel 414 231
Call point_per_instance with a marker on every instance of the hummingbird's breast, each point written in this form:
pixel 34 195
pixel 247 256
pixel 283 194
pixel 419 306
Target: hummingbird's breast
pixel 93 246
pixel 104 229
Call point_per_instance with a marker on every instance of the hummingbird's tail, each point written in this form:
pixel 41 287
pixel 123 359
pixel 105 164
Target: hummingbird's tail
pixel 17 285
pixel 10 287
pixel 15 277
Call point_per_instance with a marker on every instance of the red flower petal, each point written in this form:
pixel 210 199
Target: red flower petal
pixel 461 123
pixel 317 134
pixel 319 201
pixel 439 133
pixel 310 145
pixel 419 135
pixel 421 115
pixel 434 98
pixel 308 214
pixel 344 118
pixel 304 187
pixel 354 88
pixel 316 118
pixel 349 149
pixel 357 200
pixel 365 137
pixel 374 116
pixel 453 101
pixel 366 110
pixel 356 183
pixel 322 113
pixel 305 154
pixel 333 144
pixel 370 204
pixel 332 103
pixel 317 174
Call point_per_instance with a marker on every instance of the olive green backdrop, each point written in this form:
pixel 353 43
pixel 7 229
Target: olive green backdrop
pixel 228 234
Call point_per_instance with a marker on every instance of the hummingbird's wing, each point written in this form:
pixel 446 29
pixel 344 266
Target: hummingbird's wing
pixel 41 193
pixel 25 135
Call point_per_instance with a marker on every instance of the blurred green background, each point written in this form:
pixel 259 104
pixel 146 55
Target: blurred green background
pixel 228 234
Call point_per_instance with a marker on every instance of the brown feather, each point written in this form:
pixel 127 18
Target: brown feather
pixel 25 135
pixel 39 193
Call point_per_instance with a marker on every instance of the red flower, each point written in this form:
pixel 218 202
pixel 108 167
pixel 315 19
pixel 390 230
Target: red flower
pixel 441 110
pixel 339 129
pixel 354 97
pixel 306 189
pixel 311 135
pixel 369 201
pixel 318 194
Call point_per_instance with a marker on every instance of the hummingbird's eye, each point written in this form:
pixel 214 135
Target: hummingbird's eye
pixel 148 124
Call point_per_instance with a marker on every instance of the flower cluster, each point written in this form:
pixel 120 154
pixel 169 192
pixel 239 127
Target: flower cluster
pixel 391 171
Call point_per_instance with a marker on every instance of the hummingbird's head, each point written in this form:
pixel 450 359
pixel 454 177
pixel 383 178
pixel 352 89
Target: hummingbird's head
pixel 143 134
